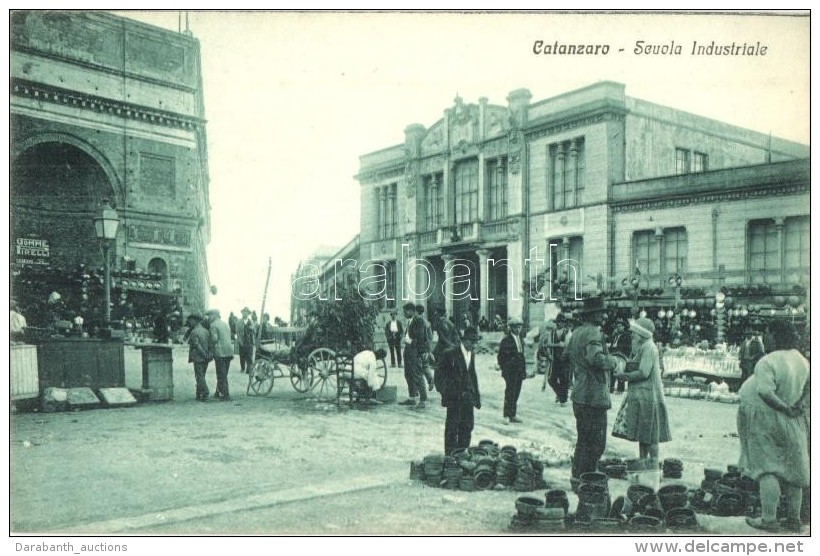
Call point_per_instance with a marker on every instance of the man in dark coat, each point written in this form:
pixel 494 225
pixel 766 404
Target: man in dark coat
pixel 457 383
pixel 199 353
pixel 393 331
pixel 751 350
pixel 245 340
pixel 591 369
pixel 513 368
pixel 416 347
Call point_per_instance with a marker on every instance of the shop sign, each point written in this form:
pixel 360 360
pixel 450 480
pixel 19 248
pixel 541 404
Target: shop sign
pixel 31 251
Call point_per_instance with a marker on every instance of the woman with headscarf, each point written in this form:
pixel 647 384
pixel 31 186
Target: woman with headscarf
pixel 642 417
pixel 773 425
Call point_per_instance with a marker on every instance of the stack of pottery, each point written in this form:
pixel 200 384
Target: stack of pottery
pixel 593 503
pixel 528 512
pixel 505 468
pixel 633 496
pixel 452 473
pixel 672 468
pixel 681 519
pixel 433 469
pixel 673 496
pixel 557 498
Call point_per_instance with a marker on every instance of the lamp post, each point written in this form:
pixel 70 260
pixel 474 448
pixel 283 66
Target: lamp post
pixel 105 226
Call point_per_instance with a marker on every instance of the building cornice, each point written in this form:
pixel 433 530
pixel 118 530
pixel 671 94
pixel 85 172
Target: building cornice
pixel 395 170
pixel 715 197
pixel 56 95
pixel 582 116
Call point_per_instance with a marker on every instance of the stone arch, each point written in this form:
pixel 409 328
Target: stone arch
pixel 116 191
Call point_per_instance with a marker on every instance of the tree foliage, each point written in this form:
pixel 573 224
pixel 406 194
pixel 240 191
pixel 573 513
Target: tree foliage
pixel 345 322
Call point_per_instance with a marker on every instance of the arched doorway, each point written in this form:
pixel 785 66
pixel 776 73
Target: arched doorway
pixel 55 190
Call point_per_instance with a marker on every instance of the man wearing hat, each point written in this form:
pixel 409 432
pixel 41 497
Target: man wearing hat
pixel 591 369
pixel 457 382
pixel 750 352
pixel 222 350
pixel 513 368
pixel 199 353
pixel 416 347
pixel 393 332
pixel 245 331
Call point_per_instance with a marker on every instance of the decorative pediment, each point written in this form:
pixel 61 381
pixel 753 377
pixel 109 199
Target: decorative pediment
pixel 463 124
pixel 496 121
pixel 435 141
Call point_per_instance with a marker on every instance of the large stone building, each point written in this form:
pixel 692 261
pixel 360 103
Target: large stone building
pixel 103 107
pixel 501 204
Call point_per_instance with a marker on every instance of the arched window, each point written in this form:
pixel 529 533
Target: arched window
pixel 159 266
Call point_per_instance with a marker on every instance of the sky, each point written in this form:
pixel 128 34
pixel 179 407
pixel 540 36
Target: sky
pixel 292 100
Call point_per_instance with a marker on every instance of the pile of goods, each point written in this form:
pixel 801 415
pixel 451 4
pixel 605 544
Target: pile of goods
pixel 731 493
pixel 672 468
pixel 483 467
pixel 643 510
pixel 717 362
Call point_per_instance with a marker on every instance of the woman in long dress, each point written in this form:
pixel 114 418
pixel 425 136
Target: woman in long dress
pixel 773 427
pixel 642 417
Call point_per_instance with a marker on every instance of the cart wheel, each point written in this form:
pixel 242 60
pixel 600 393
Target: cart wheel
pixel 381 373
pixel 322 365
pixel 301 378
pixel 260 379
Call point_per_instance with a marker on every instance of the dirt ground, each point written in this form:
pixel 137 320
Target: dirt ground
pixel 287 464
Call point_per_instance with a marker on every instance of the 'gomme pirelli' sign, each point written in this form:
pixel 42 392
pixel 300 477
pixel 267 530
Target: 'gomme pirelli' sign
pixel 31 251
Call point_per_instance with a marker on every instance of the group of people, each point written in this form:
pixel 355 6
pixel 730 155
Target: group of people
pixel 209 338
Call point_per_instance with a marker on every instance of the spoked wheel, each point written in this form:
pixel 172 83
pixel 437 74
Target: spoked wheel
pixel 381 373
pixel 301 377
pixel 322 365
pixel 260 379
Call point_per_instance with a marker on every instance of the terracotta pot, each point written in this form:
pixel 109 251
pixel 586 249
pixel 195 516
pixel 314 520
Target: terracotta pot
pixel 681 518
pixel 673 496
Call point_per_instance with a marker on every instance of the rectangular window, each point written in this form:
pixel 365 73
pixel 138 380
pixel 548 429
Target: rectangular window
pixel 433 202
pixel 386 196
pixel 764 248
pixel 567 178
pixel 682 161
pixel 496 189
pixel 700 162
pixel 566 254
pixel 797 243
pixel 646 252
pixel 466 190
pixel 675 249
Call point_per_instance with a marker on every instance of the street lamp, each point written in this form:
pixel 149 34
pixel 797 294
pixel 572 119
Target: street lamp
pixel 105 226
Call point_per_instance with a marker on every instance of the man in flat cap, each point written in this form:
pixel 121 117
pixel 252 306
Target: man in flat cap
pixel 222 350
pixel 199 353
pixel 513 368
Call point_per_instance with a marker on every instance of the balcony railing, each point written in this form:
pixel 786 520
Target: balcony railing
pixel 495 229
pixel 426 239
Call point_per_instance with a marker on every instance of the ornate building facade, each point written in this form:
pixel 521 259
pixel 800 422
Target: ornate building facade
pixel 493 207
pixel 103 107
